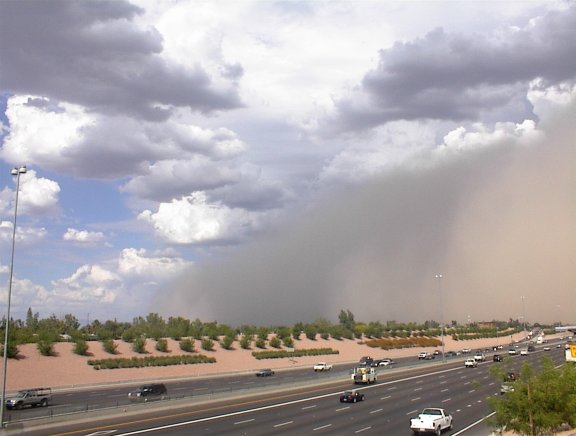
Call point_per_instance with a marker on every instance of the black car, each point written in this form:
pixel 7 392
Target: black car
pixel 145 393
pixel 265 373
pixel 497 358
pixel 351 397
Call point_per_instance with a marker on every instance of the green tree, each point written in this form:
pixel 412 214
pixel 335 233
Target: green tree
pixel 297 330
pixel 346 319
pixel 541 401
pixel 32 320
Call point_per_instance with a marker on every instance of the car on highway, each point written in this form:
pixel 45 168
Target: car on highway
pixel 479 357
pixel 497 358
pixel 470 363
pixel 425 356
pixel 267 372
pixel 351 396
pixel 546 348
pixel 512 352
pixel 148 392
pixel 506 387
pixel 524 352
pixel 386 362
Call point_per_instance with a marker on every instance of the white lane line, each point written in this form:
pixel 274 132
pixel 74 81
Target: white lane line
pixel 342 408
pixel 244 422
pixel 308 407
pixel 415 399
pixel 322 427
pixel 392 388
pixel 386 397
pixel 412 412
pixel 472 391
pixel 283 424
pixel 444 390
pixel 362 429
pixel 417 389
pixel 377 410
pixel 446 400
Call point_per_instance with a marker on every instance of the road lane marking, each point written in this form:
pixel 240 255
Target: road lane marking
pixel 386 397
pixel 415 399
pixel 446 400
pixel 244 422
pixel 412 412
pixel 362 429
pixel 377 410
pixel 417 389
pixel 342 408
pixel 444 390
pixel 322 427
pixel 308 407
pixel 283 424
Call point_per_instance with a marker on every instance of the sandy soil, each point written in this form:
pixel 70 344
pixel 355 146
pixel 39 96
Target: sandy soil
pixel 68 370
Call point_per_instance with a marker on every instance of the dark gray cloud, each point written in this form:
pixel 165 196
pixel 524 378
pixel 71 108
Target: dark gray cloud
pixel 460 77
pixel 496 222
pixel 92 53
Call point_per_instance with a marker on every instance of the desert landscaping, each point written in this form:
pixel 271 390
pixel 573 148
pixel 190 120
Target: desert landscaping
pixel 67 370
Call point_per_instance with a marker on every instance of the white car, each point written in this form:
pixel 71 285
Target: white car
pixel 322 366
pixel 470 363
pixel 524 352
pixel 479 357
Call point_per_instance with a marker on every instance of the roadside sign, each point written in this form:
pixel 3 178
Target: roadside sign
pixel 571 353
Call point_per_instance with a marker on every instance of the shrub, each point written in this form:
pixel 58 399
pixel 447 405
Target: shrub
pixel 81 347
pixel 142 362
pixel 275 342
pixel 187 345
pixel 260 343
pixel 277 354
pixel 288 342
pixel 207 344
pixel 162 345
pixel 139 345
pixel 245 342
pixel 227 342
pixel 45 347
pixel 12 351
pixel 109 346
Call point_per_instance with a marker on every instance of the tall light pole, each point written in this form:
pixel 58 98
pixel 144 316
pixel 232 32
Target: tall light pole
pixel 523 312
pixel 15 172
pixel 439 278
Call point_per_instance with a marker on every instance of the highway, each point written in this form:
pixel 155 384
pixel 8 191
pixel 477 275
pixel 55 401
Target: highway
pixel 389 405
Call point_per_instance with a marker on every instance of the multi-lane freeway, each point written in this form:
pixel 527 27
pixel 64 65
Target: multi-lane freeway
pixel 310 408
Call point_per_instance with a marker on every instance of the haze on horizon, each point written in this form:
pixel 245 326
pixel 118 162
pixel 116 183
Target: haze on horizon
pixel 497 221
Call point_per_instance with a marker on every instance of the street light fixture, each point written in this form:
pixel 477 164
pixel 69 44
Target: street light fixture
pixel 439 278
pixel 523 312
pixel 15 172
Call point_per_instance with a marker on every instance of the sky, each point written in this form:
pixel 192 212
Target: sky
pixel 273 162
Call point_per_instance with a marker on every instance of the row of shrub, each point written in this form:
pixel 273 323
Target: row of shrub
pixel 278 354
pixel 388 344
pixel 142 362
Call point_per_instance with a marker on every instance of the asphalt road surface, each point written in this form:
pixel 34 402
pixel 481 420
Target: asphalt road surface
pixel 312 408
